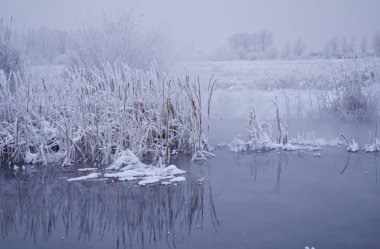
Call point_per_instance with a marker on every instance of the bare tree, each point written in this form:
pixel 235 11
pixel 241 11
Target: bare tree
pixel 363 47
pixel 286 52
pixel 332 48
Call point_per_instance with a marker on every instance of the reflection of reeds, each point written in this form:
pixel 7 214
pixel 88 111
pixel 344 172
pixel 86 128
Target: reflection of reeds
pixel 41 206
pixel 262 162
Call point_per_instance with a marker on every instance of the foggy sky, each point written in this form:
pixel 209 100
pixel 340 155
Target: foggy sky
pixel 205 24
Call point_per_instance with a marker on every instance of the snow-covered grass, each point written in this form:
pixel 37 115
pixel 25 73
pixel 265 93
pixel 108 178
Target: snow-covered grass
pixel 92 115
pixel 345 89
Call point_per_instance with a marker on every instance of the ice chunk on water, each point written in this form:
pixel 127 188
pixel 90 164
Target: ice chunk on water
pixel 90 176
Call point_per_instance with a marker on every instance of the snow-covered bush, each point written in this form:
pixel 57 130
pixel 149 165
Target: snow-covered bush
pixel 260 137
pixel 260 133
pixel 354 96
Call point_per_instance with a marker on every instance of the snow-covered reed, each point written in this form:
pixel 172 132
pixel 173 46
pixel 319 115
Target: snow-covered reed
pixel 91 115
pixel 262 137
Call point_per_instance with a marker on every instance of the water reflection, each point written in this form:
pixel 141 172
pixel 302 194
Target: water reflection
pixel 376 166
pixel 282 162
pixel 263 162
pixel 39 206
pixel 346 164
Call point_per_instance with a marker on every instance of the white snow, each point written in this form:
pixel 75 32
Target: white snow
pixel 353 147
pixel 372 147
pixel 310 139
pixel 31 157
pixel 126 160
pixel 129 168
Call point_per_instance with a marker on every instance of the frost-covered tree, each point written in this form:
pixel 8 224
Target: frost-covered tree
pixel 265 40
pixel 120 39
pixel 44 45
pixel 348 47
pixel 299 48
pixel 243 45
pixel 251 46
pixel 286 51
pixel 332 48
pixel 376 43
pixel 10 56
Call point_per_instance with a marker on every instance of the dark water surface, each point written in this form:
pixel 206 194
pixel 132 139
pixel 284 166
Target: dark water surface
pixel 250 200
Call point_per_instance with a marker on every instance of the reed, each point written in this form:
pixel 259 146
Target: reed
pixel 91 115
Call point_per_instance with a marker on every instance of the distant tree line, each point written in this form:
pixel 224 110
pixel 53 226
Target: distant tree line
pixel 260 45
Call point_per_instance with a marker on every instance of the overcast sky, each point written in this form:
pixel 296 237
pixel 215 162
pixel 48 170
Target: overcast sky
pixel 205 24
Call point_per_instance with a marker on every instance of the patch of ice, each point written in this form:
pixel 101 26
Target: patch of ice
pixel 201 179
pixel 178 179
pixel 90 176
pixel 87 169
pixel 149 180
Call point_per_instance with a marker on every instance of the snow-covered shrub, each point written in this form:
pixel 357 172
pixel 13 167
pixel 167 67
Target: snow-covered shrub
pixel 260 136
pixel 375 147
pixel 260 133
pixel 352 95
